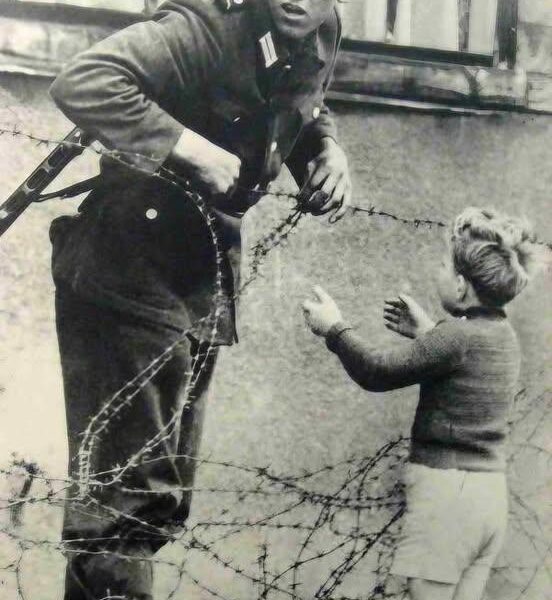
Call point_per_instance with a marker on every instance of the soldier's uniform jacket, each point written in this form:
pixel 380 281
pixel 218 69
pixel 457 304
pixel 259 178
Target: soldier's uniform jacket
pixel 219 68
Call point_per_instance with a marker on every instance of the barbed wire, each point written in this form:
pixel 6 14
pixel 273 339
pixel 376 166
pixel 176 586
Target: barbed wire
pixel 343 518
pixel 354 527
pixel 258 250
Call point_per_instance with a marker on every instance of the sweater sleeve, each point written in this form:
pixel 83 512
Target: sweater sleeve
pixel 112 89
pixel 438 352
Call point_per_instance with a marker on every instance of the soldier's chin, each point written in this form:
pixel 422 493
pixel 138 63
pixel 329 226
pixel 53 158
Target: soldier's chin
pixel 294 31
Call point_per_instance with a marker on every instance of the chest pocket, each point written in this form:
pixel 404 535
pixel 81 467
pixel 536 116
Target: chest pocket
pixel 234 123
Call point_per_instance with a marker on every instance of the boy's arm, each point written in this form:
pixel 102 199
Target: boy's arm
pixel 434 354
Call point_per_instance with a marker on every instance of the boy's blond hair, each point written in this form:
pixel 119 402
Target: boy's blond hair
pixel 496 253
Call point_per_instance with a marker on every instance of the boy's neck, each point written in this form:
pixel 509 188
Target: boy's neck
pixel 478 310
pixel 469 305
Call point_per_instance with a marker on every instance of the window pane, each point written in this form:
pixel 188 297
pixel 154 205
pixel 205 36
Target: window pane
pixel 467 25
pixel 482 25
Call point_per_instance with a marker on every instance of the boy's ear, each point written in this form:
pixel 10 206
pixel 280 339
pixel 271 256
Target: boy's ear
pixel 461 288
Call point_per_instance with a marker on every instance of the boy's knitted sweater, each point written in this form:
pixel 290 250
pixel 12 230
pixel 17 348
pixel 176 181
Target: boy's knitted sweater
pixel 467 370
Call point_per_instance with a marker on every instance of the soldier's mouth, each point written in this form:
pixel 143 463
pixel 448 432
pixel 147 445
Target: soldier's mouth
pixel 292 9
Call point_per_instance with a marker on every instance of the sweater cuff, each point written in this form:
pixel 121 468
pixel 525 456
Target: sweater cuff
pixel 334 333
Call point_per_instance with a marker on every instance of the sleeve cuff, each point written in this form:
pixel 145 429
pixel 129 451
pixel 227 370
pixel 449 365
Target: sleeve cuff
pixel 158 140
pixel 334 333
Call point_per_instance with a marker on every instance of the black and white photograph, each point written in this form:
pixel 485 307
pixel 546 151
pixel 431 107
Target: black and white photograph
pixel 275 299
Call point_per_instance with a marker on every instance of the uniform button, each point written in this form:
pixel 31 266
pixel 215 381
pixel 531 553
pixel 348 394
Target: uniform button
pixel 273 146
pixel 238 2
pixel 151 214
pixel 316 112
pixel 287 67
pixel 236 119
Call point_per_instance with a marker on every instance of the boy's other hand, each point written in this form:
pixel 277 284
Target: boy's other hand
pixel 322 312
pixel 405 316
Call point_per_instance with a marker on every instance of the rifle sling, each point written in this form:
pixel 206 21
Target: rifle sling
pixel 73 190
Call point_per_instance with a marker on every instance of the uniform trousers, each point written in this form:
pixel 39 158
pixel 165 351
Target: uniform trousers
pixel 132 502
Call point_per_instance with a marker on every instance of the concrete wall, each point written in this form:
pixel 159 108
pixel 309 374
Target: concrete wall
pixel 280 398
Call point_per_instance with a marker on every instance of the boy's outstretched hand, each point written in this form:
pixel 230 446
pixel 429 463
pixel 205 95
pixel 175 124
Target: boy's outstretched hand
pixel 321 313
pixel 405 316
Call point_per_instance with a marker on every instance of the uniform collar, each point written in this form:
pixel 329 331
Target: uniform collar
pixel 487 312
pixel 274 51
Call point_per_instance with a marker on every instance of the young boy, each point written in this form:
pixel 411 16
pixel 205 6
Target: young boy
pixel 467 368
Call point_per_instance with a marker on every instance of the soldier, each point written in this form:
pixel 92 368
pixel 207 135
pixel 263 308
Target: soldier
pixel 223 92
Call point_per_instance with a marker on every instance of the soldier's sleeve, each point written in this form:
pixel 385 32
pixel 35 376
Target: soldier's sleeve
pixel 111 90
pixel 309 144
pixel 324 126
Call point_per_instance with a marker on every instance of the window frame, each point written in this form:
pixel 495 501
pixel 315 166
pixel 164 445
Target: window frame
pixel 418 53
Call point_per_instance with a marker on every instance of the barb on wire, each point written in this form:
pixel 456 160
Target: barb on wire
pixel 373 211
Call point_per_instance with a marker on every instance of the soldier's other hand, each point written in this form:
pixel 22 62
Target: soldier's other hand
pixel 322 312
pixel 329 173
pixel 214 168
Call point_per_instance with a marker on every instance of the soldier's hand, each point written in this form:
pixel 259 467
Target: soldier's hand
pixel 329 173
pixel 213 167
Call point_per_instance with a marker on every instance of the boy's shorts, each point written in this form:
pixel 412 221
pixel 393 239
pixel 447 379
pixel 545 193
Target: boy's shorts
pixel 454 520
